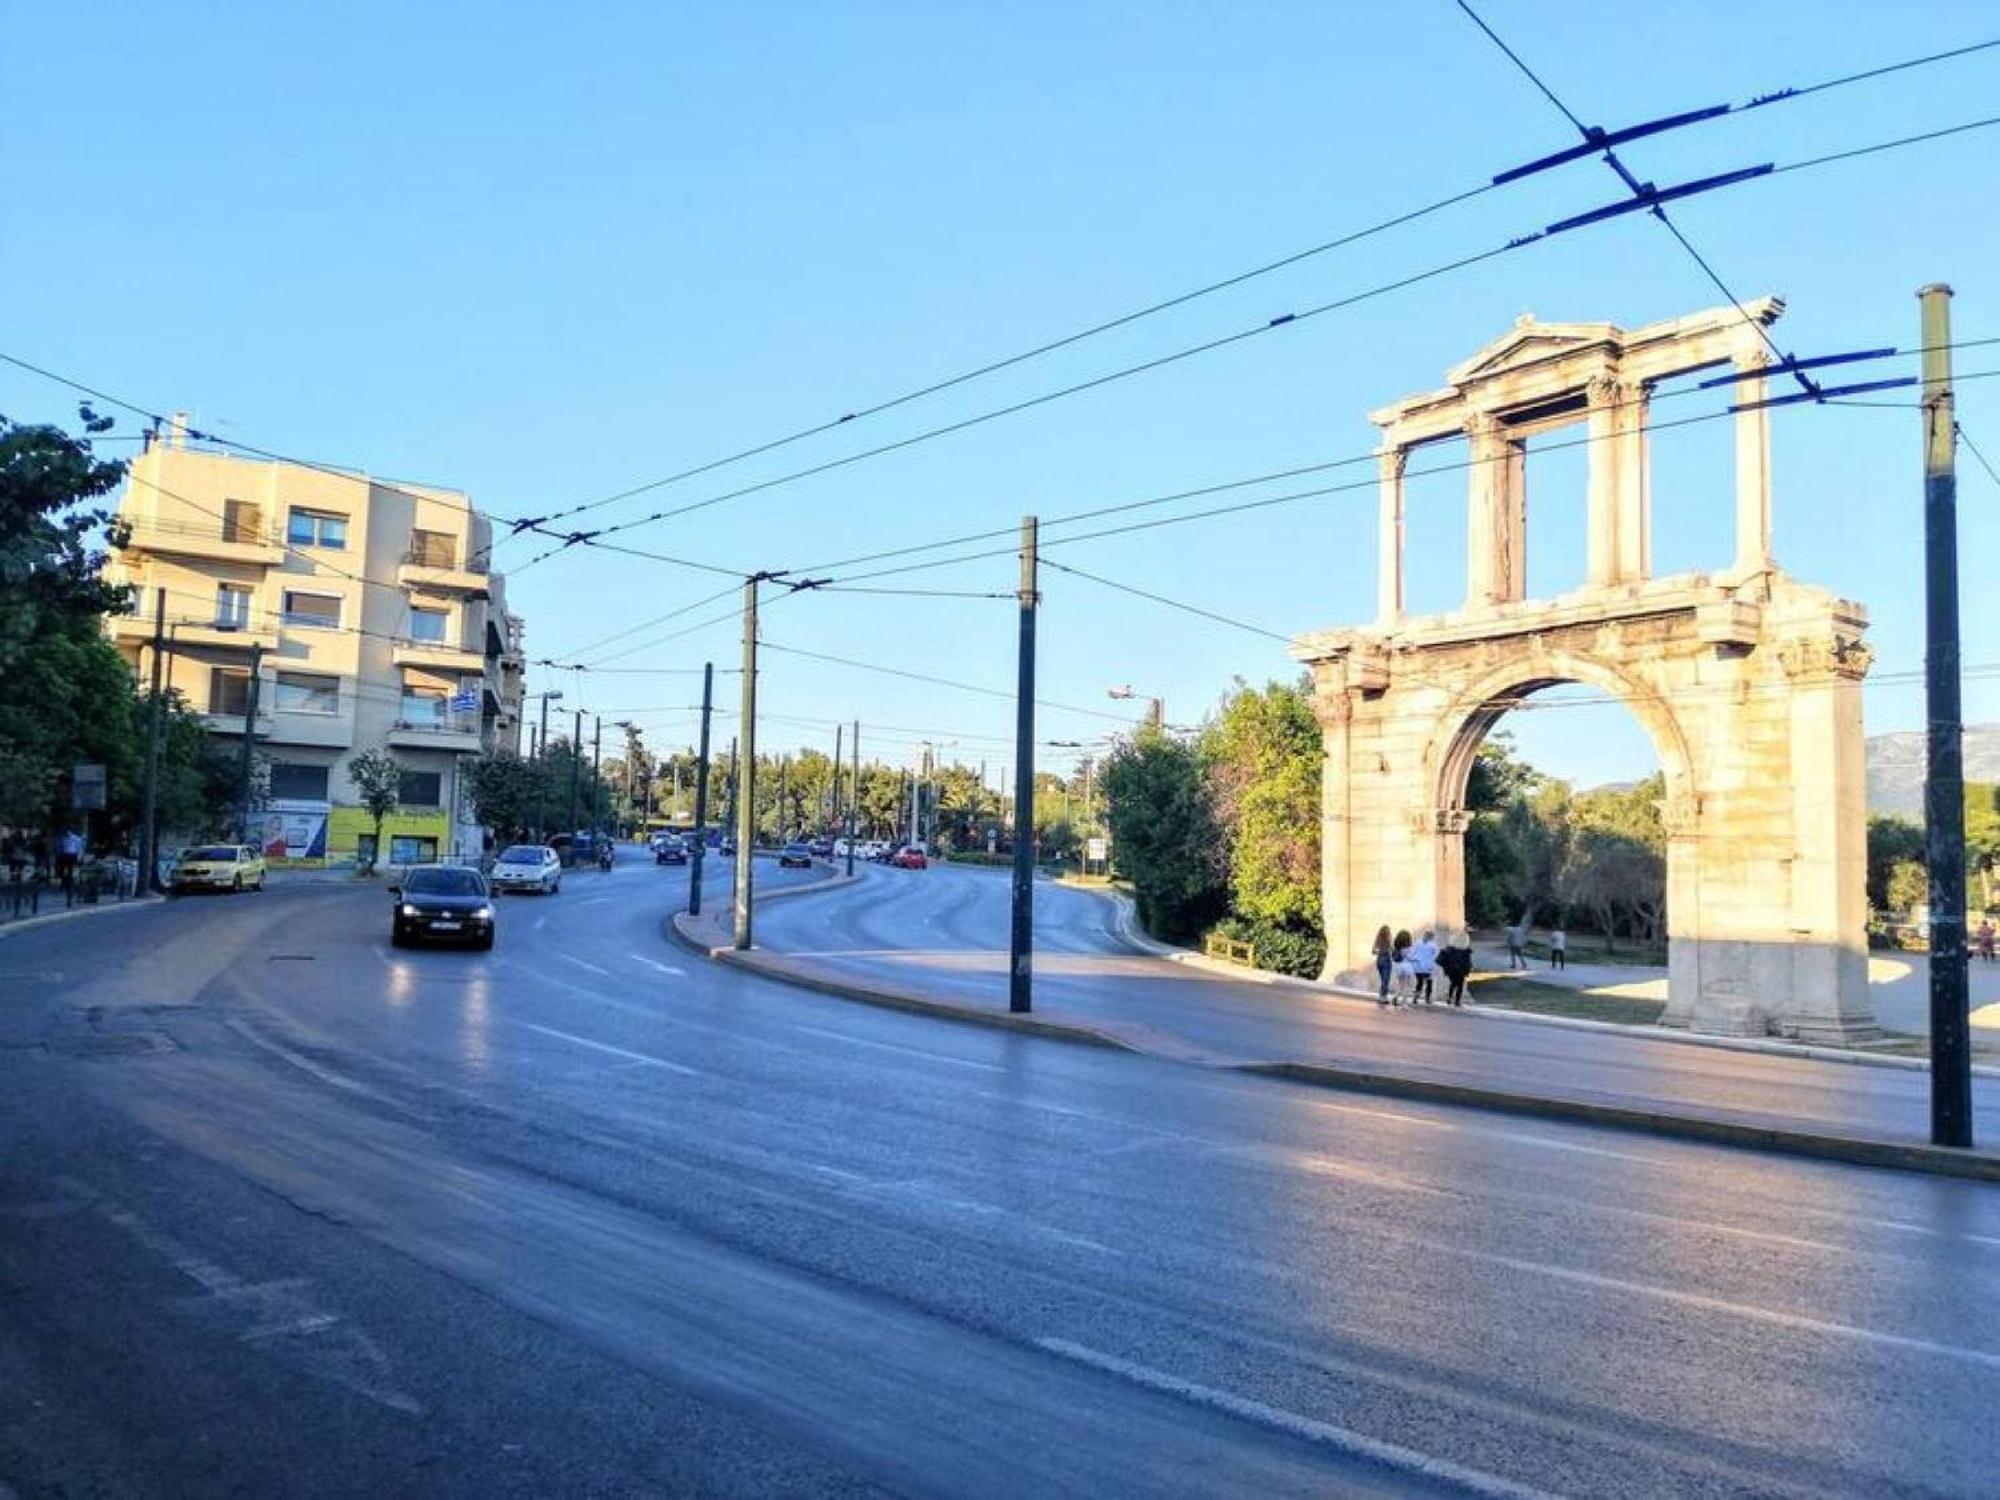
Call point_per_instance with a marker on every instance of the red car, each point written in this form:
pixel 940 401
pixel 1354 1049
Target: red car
pixel 909 857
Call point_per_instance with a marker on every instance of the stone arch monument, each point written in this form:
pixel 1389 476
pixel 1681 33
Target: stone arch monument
pixel 1747 681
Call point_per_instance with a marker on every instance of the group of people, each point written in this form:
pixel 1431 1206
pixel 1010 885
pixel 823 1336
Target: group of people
pixel 1408 969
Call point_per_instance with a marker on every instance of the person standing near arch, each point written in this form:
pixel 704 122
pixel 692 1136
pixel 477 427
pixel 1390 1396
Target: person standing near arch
pixel 1384 962
pixel 1558 948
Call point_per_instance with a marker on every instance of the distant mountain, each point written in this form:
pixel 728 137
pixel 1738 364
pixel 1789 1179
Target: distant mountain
pixel 1896 767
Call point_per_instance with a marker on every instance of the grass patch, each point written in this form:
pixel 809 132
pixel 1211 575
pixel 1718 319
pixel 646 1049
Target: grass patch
pixel 1527 995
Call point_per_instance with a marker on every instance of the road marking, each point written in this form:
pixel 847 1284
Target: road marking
pixel 656 964
pixel 1382 1114
pixel 956 1062
pixel 639 1057
pixel 1325 1434
pixel 300 1061
pixel 1798 1321
pixel 584 964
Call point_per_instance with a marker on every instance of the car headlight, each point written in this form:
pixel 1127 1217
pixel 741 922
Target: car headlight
pixel 410 911
pixel 484 914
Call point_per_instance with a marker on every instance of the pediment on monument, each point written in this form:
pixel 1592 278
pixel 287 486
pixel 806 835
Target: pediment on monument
pixel 1531 343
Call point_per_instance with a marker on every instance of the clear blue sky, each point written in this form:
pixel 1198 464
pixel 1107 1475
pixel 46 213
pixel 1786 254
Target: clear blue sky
pixel 546 253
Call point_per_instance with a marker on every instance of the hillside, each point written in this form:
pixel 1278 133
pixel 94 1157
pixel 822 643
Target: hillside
pixel 1896 767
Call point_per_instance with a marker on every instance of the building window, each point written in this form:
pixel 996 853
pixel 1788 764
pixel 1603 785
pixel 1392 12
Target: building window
pixel 232 607
pixel 307 693
pixel 290 779
pixel 408 849
pixel 422 710
pixel 320 611
pixel 429 625
pixel 421 789
pixel 242 522
pixel 315 528
pixel 228 691
pixel 433 549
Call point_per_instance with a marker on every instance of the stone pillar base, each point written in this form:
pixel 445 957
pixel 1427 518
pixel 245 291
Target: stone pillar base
pixel 1835 1033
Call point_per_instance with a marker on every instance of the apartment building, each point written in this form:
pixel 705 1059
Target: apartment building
pixel 349 613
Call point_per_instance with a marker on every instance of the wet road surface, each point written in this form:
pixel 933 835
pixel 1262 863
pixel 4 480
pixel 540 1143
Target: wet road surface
pixel 285 1209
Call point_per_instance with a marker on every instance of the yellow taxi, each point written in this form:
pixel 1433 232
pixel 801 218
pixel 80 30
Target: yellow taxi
pixel 218 867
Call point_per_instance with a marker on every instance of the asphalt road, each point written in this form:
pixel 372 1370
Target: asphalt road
pixel 284 1210
pixel 944 930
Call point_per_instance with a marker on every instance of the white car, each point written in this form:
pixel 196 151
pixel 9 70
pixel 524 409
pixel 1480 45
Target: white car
pixel 527 867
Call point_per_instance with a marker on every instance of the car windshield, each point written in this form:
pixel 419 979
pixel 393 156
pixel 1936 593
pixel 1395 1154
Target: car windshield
pixel 211 851
pixel 444 880
pixel 795 849
pixel 524 854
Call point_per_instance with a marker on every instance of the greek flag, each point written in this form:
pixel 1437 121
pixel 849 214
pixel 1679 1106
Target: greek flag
pixel 465 702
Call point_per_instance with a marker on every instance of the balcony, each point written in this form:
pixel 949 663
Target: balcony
pixel 460 734
pixel 207 634
pixel 437 656
pixel 216 721
pixel 437 570
pixel 216 541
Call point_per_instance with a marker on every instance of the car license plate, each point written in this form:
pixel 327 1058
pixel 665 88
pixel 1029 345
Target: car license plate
pixel 445 926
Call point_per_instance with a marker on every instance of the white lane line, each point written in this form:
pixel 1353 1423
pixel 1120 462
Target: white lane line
pixel 1325 1434
pixel 655 964
pixel 855 1041
pixel 638 1057
pixel 298 1060
pixel 1381 1114
pixel 584 964
pixel 1796 1321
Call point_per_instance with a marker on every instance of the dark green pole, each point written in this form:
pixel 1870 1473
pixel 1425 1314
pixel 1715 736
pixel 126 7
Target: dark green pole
pixel 1020 970
pixel 1944 768
pixel 249 741
pixel 149 797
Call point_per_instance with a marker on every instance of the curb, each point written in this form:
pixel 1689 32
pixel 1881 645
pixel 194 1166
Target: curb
pixel 49 918
pixel 1868 1151
pixel 1765 1046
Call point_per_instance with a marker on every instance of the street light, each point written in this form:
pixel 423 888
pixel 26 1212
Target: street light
pixel 1156 707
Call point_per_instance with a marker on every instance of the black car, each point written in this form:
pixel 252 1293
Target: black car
pixel 670 851
pixel 821 848
pixel 795 856
pixel 443 903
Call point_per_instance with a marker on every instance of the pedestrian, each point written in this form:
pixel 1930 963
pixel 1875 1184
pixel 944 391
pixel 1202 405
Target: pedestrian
pixel 69 851
pixel 1558 948
pixel 1423 964
pixel 1403 977
pixel 1385 961
pixel 1517 939
pixel 1986 939
pixel 1456 964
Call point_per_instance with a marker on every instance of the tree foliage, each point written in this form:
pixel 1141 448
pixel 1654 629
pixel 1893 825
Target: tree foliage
pixel 1164 833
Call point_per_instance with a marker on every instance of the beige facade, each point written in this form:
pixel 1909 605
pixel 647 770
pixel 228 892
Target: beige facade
pixel 364 609
pixel 1747 681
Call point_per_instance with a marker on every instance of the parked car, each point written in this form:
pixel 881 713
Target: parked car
pixel 795 855
pixel 670 851
pixel 218 867
pixel 727 847
pixel 443 903
pixel 528 867
pixel 910 857
pixel 821 848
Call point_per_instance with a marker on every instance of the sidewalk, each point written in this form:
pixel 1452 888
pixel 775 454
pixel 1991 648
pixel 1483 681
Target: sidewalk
pixel 1189 1014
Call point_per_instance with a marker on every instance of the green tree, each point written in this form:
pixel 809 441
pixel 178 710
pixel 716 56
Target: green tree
pixel 1891 841
pixel 1164 833
pixel 1263 754
pixel 378 777
pixel 1908 888
pixel 506 792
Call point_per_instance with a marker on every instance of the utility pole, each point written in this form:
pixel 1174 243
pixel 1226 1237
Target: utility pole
pixel 701 794
pixel 596 768
pixel 575 768
pixel 249 741
pixel 541 766
pixel 834 811
pixel 854 801
pixel 149 835
pixel 746 792
pixel 1944 767
pixel 1021 964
